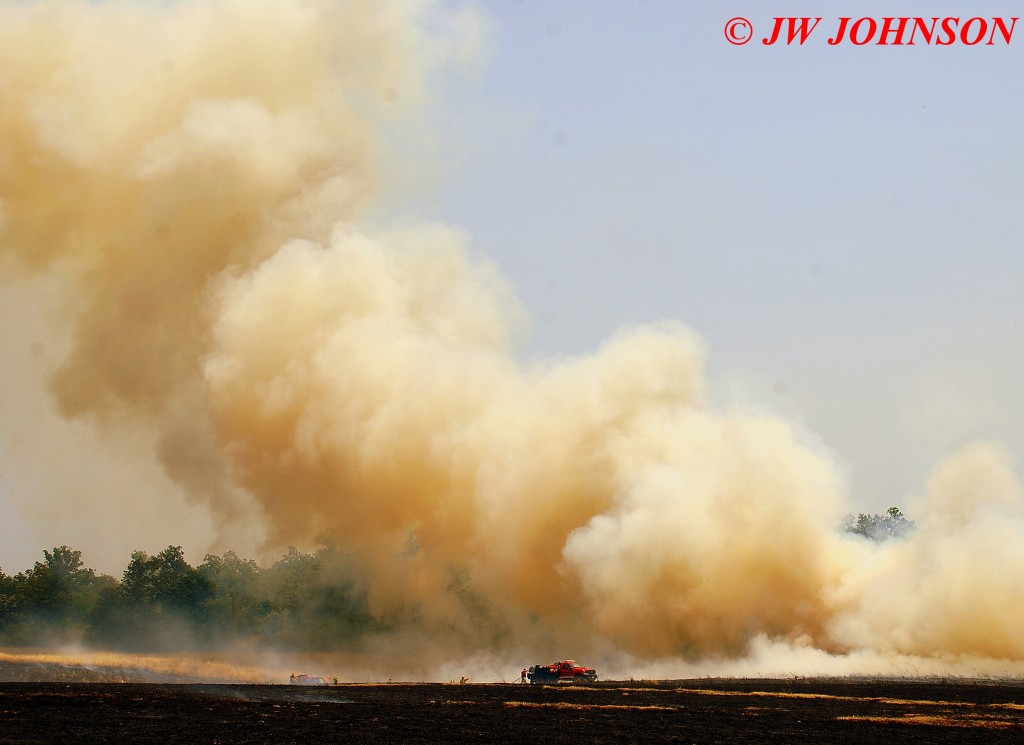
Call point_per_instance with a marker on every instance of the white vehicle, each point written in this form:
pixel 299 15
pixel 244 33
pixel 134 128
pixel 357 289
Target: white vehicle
pixel 307 680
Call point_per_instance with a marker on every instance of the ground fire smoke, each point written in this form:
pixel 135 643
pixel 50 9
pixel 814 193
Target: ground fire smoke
pixel 201 174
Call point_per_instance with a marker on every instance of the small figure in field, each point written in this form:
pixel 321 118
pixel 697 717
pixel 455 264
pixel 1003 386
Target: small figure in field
pixel 522 676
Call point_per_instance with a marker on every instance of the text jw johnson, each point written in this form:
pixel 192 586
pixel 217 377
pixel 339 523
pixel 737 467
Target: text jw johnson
pixel 894 31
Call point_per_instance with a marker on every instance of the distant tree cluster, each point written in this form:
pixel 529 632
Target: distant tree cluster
pixel 892 524
pixel 304 601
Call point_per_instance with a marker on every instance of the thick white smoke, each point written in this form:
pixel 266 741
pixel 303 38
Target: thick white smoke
pixel 198 172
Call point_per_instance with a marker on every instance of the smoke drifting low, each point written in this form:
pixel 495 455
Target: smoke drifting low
pixel 200 176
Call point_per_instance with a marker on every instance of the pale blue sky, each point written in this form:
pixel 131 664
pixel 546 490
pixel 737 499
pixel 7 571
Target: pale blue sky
pixel 841 224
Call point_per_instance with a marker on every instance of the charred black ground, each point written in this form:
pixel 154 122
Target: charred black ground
pixel 720 710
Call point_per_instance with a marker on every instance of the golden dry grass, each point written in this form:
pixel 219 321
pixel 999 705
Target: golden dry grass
pixel 827 696
pixel 565 705
pixel 982 722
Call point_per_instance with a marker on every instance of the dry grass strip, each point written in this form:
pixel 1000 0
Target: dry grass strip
pixel 872 699
pixel 980 722
pixel 609 707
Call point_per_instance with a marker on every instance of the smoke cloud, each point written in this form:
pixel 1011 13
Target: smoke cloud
pixel 201 177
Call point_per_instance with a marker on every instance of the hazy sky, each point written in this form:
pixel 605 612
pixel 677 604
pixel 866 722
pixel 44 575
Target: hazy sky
pixel 841 225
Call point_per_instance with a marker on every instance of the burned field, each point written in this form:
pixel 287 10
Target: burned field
pixel 726 710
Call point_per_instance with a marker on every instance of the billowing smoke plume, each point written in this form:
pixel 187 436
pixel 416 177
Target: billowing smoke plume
pixel 199 173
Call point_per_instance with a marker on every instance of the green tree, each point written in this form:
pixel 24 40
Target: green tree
pixel 165 581
pixel 318 601
pixel 53 600
pixel 160 604
pixel 8 608
pixel 236 604
pixel 893 524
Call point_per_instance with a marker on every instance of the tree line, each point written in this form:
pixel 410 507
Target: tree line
pixel 304 601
